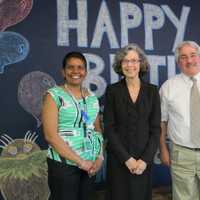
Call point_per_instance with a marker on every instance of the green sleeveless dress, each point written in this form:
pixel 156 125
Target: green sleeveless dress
pixel 70 125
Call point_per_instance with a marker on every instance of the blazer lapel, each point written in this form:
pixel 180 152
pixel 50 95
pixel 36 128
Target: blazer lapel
pixel 124 93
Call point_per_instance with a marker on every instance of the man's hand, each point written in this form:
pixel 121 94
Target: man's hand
pixel 164 152
pixel 164 156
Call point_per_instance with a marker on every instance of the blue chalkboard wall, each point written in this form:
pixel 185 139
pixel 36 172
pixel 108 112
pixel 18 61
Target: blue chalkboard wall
pixel 35 35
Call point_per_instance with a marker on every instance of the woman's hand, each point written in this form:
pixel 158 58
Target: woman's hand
pixel 136 166
pixel 131 163
pixel 96 166
pixel 141 166
pixel 86 165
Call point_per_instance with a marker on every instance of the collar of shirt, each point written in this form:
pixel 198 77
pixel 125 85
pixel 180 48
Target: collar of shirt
pixel 188 80
pixel 197 76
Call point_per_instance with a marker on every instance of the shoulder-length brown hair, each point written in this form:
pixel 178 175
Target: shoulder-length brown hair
pixel 144 64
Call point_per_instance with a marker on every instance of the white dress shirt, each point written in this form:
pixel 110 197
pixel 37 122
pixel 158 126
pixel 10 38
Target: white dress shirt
pixel 175 108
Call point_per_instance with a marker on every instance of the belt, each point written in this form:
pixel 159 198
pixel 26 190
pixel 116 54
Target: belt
pixel 190 148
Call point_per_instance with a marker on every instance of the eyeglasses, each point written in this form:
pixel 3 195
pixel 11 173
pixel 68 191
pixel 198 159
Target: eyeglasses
pixel 132 61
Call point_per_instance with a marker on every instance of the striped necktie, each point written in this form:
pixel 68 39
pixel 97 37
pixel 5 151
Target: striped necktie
pixel 195 113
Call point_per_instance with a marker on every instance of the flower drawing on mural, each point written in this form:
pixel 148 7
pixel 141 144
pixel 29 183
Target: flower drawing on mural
pixel 23 169
pixel 13 12
pixel 31 90
pixel 13 48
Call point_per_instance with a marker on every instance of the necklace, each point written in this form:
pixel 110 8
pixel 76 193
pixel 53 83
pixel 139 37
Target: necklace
pixel 77 96
pixel 84 113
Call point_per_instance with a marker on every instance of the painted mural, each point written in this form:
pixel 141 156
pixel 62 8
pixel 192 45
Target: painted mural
pixel 34 37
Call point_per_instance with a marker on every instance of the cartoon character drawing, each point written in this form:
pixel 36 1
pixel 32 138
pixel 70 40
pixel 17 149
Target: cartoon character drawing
pixel 13 12
pixel 31 90
pixel 13 48
pixel 23 169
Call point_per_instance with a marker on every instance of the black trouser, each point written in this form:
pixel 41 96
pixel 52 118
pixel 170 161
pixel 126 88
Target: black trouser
pixel 68 182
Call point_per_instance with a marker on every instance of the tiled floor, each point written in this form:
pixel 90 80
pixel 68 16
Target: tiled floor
pixel 160 193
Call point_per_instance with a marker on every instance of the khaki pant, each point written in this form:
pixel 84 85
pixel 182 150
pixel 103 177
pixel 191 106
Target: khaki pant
pixel 185 171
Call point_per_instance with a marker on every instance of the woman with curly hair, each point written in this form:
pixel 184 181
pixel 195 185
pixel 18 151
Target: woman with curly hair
pixel 132 127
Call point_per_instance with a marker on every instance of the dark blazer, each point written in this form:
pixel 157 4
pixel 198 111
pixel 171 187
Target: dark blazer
pixel 132 129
